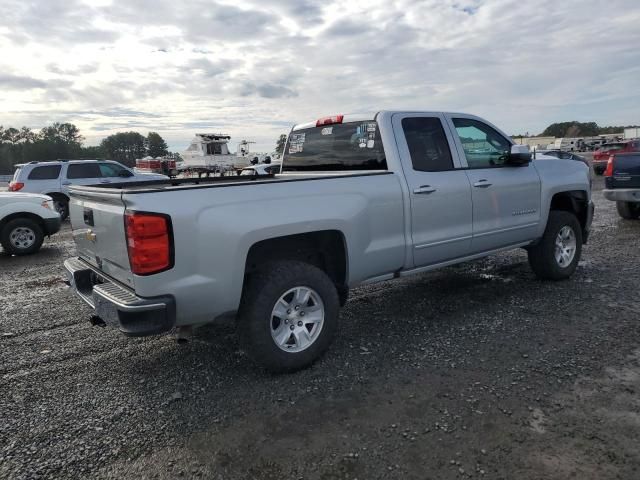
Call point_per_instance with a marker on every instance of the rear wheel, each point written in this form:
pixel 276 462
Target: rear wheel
pixel 628 210
pixel 557 254
pixel 288 315
pixel 61 204
pixel 21 236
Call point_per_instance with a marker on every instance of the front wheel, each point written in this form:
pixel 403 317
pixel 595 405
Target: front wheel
pixel 628 210
pixel 288 315
pixel 21 236
pixel 557 254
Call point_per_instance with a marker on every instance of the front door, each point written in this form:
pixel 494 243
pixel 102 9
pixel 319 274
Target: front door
pixel 506 199
pixel 440 195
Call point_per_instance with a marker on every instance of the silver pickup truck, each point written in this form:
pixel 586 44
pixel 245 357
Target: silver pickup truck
pixel 360 199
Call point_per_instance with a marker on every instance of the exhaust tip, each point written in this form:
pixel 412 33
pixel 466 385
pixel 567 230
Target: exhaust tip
pixel 96 321
pixel 184 334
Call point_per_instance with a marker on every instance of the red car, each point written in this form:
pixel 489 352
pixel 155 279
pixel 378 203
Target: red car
pixel 601 156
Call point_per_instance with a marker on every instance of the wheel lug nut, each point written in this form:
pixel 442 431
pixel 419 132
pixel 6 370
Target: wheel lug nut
pixel 292 327
pixel 302 313
pixel 299 324
pixel 288 310
pixel 297 307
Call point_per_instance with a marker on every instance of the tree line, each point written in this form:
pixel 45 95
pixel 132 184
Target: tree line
pixel 64 141
pixel 579 129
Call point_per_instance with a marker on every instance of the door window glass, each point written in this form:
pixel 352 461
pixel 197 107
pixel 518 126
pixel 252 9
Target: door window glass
pixel 113 170
pixel 483 146
pixel 427 144
pixel 83 170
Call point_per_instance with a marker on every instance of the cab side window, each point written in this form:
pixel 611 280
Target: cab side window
pixel 483 146
pixel 113 170
pixel 83 170
pixel 427 144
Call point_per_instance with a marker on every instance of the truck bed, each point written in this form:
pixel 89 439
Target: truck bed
pixel 216 182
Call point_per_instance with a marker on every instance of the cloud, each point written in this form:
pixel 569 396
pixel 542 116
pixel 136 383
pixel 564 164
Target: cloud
pixel 268 90
pixel 19 82
pixel 253 67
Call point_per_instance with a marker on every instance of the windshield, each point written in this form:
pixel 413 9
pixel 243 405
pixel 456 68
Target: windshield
pixel 613 146
pixel 344 146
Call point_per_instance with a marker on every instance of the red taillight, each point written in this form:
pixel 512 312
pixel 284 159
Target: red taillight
pixel 609 171
pixel 148 242
pixel 15 186
pixel 329 120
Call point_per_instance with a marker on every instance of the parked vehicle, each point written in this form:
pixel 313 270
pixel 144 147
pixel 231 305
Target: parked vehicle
pixel 622 183
pixel 25 219
pixel 162 166
pixel 602 155
pixel 54 178
pixel 362 199
pixel 262 169
pixel 567 144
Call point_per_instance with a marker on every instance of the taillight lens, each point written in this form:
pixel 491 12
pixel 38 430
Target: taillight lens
pixel 329 120
pixel 609 171
pixel 149 242
pixel 15 186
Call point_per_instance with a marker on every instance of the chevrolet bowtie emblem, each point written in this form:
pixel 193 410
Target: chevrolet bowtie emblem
pixel 90 235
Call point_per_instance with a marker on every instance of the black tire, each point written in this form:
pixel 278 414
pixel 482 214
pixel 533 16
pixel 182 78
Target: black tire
pixel 262 292
pixel 5 236
pixel 628 210
pixel 61 204
pixel 542 257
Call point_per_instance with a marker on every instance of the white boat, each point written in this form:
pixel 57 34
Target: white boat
pixel 210 152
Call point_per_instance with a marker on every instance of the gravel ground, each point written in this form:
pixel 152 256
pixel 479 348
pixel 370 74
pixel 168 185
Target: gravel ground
pixel 475 371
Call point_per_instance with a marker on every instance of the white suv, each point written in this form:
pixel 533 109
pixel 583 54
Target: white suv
pixel 53 178
pixel 25 219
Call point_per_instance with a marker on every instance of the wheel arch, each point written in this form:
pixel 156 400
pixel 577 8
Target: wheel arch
pixel 325 249
pixel 576 202
pixel 16 215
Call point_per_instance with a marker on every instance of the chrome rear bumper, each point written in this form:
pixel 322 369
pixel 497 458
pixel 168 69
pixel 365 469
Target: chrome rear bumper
pixel 117 305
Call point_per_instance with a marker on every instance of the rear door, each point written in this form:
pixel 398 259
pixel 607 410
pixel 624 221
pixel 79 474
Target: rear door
pixel 506 199
pixel 81 173
pixel 440 195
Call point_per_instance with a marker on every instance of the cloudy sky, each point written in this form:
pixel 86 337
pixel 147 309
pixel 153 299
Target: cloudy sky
pixel 252 68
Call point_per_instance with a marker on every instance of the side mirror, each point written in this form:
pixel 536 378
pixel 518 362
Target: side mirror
pixel 519 156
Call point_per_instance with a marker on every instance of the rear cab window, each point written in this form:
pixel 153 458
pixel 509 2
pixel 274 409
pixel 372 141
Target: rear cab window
pixel 337 147
pixel 45 172
pixel 16 174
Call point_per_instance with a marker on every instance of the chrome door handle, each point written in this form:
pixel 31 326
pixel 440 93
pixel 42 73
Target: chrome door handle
pixel 482 184
pixel 424 189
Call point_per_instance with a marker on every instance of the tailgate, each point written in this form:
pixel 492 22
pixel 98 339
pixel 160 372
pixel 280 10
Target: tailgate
pixel 97 222
pixel 626 171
